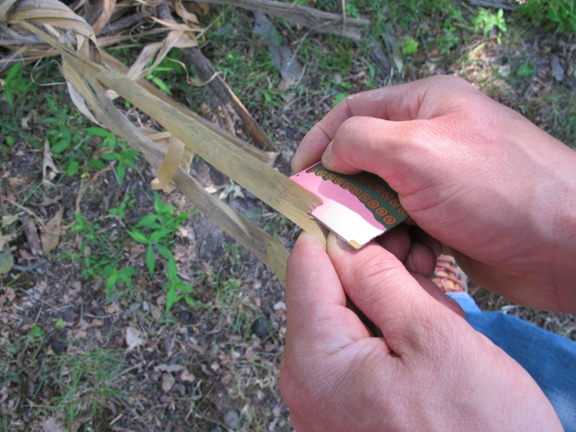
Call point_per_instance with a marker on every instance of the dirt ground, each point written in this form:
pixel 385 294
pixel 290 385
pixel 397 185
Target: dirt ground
pixel 73 358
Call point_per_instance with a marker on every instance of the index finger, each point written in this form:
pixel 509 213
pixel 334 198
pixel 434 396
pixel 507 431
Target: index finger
pixel 426 98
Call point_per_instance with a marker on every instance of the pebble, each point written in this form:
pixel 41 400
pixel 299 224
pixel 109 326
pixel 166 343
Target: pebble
pixel 262 328
pixel 232 419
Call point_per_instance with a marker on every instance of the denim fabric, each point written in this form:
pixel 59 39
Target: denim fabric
pixel 548 357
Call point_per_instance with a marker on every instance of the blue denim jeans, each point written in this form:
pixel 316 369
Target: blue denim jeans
pixel 548 357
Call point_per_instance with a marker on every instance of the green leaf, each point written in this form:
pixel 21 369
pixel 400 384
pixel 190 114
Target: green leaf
pixel 110 156
pixel 96 163
pixel 8 96
pixel 172 271
pixel 156 236
pixel 60 147
pixel 171 297
pixel 148 221
pixel 125 275
pixel 13 71
pixel 165 252
pixel 112 280
pixel 139 237
pixel 150 260
pixel 99 132
pixel 36 333
pixel 72 168
pixel 121 172
pixel 526 69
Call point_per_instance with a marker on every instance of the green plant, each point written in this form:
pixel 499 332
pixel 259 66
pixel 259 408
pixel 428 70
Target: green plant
pixel 100 259
pixel 15 83
pixel 409 46
pixel 113 150
pixel 486 21
pixel 526 69
pixel 551 15
pixel 157 231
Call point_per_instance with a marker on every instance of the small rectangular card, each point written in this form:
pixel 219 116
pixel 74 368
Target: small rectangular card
pixel 358 207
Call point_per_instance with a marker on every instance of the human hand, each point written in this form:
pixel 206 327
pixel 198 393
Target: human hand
pixel 498 192
pixel 430 372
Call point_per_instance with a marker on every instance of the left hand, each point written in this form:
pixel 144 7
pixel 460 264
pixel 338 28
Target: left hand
pixel 431 371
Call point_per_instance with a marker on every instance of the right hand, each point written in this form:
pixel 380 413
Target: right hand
pixel 498 192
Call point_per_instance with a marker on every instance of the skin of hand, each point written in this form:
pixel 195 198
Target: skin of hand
pixel 493 189
pixel 430 372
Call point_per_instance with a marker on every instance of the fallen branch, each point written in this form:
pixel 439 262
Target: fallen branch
pixel 319 21
pixel 496 4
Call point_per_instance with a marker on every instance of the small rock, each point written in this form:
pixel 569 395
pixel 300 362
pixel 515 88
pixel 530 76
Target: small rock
pixel 262 328
pixel 58 347
pixel 232 419
pixel 557 69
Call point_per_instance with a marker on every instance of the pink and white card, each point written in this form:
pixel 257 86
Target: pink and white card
pixel 358 207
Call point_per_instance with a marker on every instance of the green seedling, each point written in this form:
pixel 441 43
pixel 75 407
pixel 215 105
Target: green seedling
pixel 14 84
pixel 114 150
pixel 409 46
pixel 526 69
pixel 486 21
pixel 157 231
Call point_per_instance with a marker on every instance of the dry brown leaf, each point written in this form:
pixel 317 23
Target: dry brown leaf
pixel 158 51
pixel 100 13
pixel 133 338
pixel 169 165
pixel 50 235
pixel 167 382
pixel 49 169
pixel 186 376
pixel 52 425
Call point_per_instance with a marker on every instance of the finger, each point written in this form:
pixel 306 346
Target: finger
pixel 432 289
pixel 317 315
pixel 397 241
pixel 397 103
pixel 420 259
pixel 389 295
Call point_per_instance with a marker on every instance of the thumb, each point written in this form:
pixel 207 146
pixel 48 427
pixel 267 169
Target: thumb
pixel 406 307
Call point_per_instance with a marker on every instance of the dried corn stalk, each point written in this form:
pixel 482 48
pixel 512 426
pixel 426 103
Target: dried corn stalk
pixel 95 78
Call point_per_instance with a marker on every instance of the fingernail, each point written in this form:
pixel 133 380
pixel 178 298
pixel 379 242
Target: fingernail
pixel 327 154
pixel 340 242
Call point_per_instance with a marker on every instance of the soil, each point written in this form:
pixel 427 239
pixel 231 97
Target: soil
pixel 124 363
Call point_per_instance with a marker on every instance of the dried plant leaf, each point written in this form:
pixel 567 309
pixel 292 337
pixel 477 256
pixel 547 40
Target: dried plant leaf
pixel 100 14
pixel 169 165
pixel 49 169
pixel 51 233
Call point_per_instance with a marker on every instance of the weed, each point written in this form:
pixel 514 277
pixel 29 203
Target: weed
pixel 487 21
pixel 99 259
pixel 526 69
pixel 409 46
pixel 113 150
pixel 157 231
pixel 15 83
